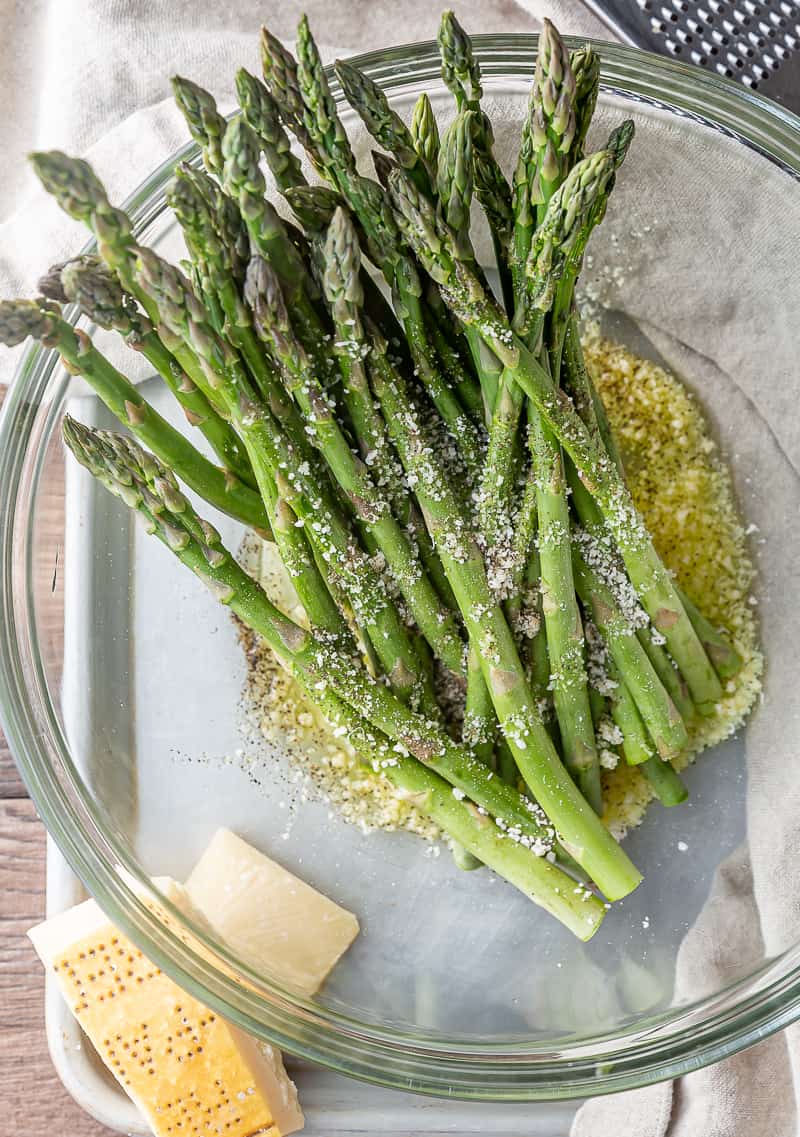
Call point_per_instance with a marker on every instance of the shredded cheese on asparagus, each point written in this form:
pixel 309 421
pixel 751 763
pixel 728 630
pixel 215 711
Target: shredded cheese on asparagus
pixel 681 485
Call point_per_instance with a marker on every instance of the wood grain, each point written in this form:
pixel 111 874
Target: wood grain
pixel 32 1099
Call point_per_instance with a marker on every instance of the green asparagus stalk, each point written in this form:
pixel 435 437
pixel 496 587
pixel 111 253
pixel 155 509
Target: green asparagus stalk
pixel 637 748
pixel 671 679
pixel 87 282
pixel 262 116
pixel 658 711
pixel 280 74
pixel 583 835
pixel 82 195
pixel 347 695
pixel 464 293
pixel 425 134
pixel 192 208
pixel 551 116
pixel 20 319
pixel 585 64
pixel 383 123
pixel 667 785
pixel 271 451
pixel 343 288
pixel 322 133
pixel 454 187
pixel 547 137
pixel 567 218
pixel 725 658
pixel 480 720
pixel 206 124
pixel 342 258
pixel 562 621
pixel 370 507
pixel 244 180
pixel 563 307
pixel 462 74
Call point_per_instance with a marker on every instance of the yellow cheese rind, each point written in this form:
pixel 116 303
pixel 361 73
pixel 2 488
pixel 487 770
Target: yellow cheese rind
pixel 276 923
pixel 190 1073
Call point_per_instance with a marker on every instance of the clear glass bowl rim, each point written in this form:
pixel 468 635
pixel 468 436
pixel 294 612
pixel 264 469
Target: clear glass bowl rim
pixel 675 1042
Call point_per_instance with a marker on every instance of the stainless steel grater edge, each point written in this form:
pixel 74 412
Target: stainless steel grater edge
pixel 757 43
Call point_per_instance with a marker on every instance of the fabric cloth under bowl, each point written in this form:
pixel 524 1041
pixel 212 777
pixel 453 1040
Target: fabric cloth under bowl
pixel 91 77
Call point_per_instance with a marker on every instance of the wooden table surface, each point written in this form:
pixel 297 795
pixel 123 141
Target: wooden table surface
pixel 33 1101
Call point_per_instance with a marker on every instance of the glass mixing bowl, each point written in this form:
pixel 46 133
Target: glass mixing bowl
pixel 121 681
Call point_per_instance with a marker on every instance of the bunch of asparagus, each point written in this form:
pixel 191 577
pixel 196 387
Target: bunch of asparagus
pixel 437 473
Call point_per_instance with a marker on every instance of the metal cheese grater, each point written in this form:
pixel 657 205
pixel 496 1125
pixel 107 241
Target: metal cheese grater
pixel 755 42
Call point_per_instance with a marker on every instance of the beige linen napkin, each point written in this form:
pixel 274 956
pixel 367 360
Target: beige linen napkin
pixel 91 76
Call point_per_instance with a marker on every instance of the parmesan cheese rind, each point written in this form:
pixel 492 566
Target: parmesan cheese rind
pixel 189 1072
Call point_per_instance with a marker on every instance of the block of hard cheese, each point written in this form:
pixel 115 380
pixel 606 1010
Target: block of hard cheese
pixel 275 922
pixel 188 1071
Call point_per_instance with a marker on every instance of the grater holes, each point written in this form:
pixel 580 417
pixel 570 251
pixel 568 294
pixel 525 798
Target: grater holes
pixel 742 39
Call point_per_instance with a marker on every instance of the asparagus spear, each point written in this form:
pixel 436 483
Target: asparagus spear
pixel 462 74
pixel 342 284
pixel 374 717
pixel 637 748
pixel 369 505
pixel 567 218
pixel 463 291
pixel 583 835
pixel 726 659
pixel 480 721
pixel 383 123
pixel 244 180
pixel 206 124
pixel 262 116
pixel 658 711
pixel 42 320
pixel 192 208
pixel 547 136
pixel 87 282
pixel 585 64
pixel 454 186
pixel 425 134
pixel 82 195
pixel 304 84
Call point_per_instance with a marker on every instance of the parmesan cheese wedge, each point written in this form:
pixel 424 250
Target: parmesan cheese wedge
pixel 190 1073
pixel 273 921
